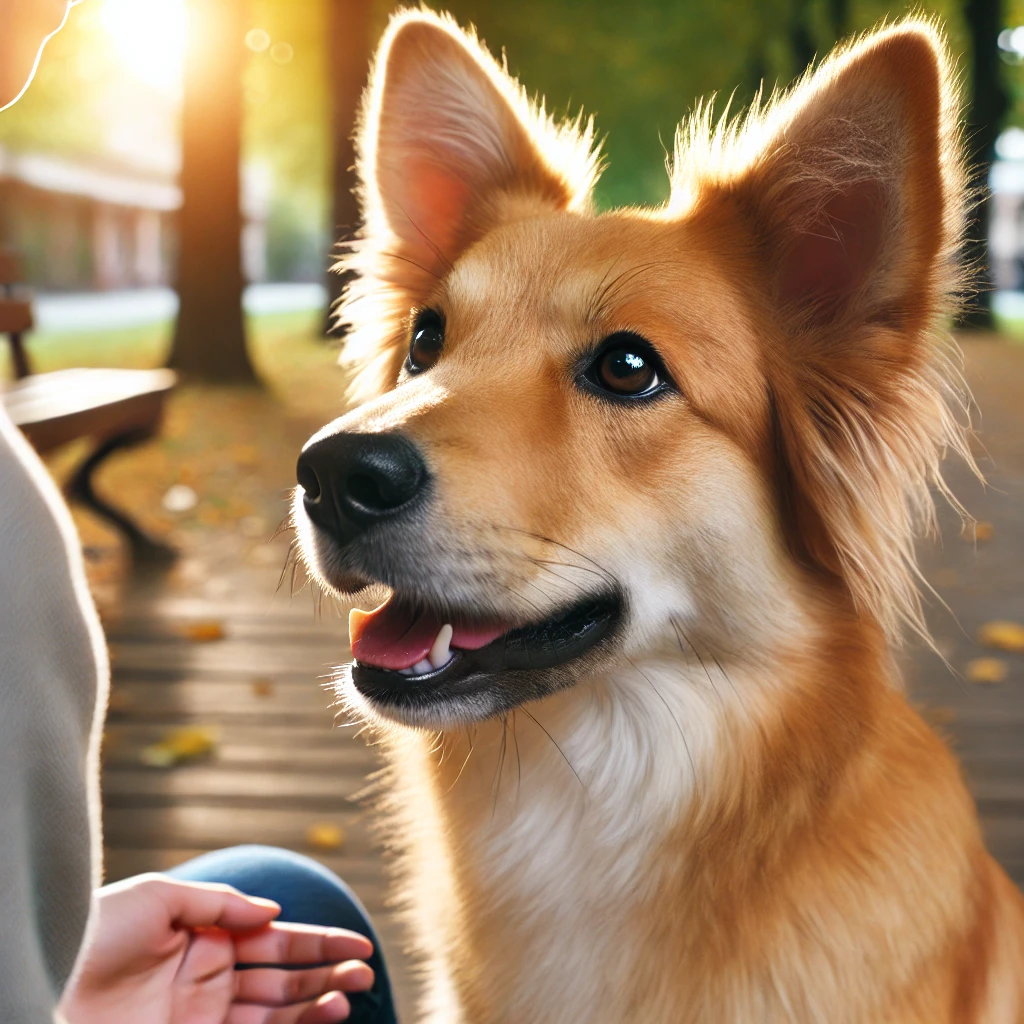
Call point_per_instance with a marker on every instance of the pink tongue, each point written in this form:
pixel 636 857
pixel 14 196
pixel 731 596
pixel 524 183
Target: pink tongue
pixel 396 636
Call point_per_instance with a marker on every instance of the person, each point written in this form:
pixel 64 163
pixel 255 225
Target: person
pixel 250 935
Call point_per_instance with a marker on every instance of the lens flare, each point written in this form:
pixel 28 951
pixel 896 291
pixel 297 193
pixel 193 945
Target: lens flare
pixel 149 36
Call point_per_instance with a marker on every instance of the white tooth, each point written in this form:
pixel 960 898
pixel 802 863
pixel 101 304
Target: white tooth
pixel 422 667
pixel 407 671
pixel 439 652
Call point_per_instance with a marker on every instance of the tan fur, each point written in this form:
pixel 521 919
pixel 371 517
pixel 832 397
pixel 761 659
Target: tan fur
pixel 738 817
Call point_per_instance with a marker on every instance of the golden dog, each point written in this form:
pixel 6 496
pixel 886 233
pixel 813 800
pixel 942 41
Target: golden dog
pixel 643 486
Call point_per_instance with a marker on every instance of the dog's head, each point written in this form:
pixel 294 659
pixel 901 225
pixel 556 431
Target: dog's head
pixel 581 435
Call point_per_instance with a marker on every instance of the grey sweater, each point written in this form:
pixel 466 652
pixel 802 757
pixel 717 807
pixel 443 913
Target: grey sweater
pixel 53 679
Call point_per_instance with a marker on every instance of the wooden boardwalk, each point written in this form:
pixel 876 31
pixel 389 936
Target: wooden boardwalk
pixel 279 773
pixel 280 766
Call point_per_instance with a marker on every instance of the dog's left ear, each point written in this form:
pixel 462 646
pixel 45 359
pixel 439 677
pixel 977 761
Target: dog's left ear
pixel 847 197
pixel 853 186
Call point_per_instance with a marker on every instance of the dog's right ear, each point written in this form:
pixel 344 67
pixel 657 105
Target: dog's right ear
pixel 449 147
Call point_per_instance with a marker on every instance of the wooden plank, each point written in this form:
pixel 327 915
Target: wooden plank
pixel 224 701
pixel 213 784
pixel 213 827
pixel 266 627
pixel 331 752
pixel 237 659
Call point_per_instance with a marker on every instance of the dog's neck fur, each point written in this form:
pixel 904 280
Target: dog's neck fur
pixel 556 833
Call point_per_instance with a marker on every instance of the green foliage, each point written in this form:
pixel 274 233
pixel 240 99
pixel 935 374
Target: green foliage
pixel 287 101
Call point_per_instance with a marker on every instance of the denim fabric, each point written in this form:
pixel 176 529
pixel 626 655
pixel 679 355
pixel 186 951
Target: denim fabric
pixel 308 894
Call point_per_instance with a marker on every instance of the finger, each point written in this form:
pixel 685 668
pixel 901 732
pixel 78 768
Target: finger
pixel 301 944
pixel 279 988
pixel 208 905
pixel 328 1009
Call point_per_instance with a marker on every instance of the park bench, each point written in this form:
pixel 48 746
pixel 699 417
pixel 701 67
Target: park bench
pixel 114 408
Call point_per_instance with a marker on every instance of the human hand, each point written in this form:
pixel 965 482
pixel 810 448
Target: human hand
pixel 164 952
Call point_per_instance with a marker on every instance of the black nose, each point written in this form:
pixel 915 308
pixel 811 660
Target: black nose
pixel 351 481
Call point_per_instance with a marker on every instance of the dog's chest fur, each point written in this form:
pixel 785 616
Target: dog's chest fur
pixel 550 849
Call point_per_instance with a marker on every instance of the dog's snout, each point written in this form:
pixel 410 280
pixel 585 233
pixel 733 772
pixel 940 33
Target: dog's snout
pixel 351 481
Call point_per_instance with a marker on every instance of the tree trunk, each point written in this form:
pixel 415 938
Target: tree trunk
pixel 984 20
pixel 209 336
pixel 348 40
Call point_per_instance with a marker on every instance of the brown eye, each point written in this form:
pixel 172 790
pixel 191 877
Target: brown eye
pixel 426 343
pixel 626 370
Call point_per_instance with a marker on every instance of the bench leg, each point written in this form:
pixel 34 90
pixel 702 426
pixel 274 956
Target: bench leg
pixel 145 550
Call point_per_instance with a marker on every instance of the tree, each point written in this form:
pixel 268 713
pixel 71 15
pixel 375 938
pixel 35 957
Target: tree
pixel 209 335
pixel 348 56
pixel 988 105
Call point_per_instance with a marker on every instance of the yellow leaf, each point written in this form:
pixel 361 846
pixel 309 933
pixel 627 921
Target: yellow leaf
pixel 185 744
pixel 977 532
pixel 987 670
pixel 262 687
pixel 204 632
pixel 1007 636
pixel 324 835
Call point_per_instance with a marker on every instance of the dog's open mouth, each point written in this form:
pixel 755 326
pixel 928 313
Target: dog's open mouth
pixel 408 657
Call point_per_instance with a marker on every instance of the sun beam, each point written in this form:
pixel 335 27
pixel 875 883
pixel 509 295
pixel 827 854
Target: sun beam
pixel 150 38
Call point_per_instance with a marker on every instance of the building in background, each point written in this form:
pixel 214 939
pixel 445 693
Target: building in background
pixel 92 226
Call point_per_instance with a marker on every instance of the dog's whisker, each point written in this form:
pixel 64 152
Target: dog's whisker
pixel 681 636
pixel 496 784
pixel 557 747
pixel 472 745
pixel 672 715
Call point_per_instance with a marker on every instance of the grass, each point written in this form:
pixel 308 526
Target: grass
pixel 290 357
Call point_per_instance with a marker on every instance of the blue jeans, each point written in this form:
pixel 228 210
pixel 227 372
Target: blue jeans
pixel 308 894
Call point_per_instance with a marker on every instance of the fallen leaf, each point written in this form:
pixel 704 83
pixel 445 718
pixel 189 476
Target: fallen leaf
pixel 1007 636
pixel 987 670
pixel 977 532
pixel 946 578
pixel 185 744
pixel 941 715
pixel 324 835
pixel 262 687
pixel 204 632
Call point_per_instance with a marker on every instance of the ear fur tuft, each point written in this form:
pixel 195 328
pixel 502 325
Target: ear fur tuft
pixel 449 145
pixel 852 189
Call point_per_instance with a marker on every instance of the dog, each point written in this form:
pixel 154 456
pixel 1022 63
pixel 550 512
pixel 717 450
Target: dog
pixel 642 488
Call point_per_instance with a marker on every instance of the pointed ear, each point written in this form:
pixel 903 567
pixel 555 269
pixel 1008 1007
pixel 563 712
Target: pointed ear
pixel 852 182
pixel 449 147
pixel 851 193
pixel 449 138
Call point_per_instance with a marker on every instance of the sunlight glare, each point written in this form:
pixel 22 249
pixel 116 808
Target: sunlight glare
pixel 150 38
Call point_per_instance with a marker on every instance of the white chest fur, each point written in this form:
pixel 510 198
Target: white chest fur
pixel 549 832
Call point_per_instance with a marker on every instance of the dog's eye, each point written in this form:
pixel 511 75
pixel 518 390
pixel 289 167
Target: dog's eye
pixel 426 343
pixel 626 367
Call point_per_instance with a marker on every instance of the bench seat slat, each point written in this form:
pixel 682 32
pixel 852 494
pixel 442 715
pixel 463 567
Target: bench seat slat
pixel 53 408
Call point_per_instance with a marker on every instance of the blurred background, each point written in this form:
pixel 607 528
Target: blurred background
pixel 171 188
